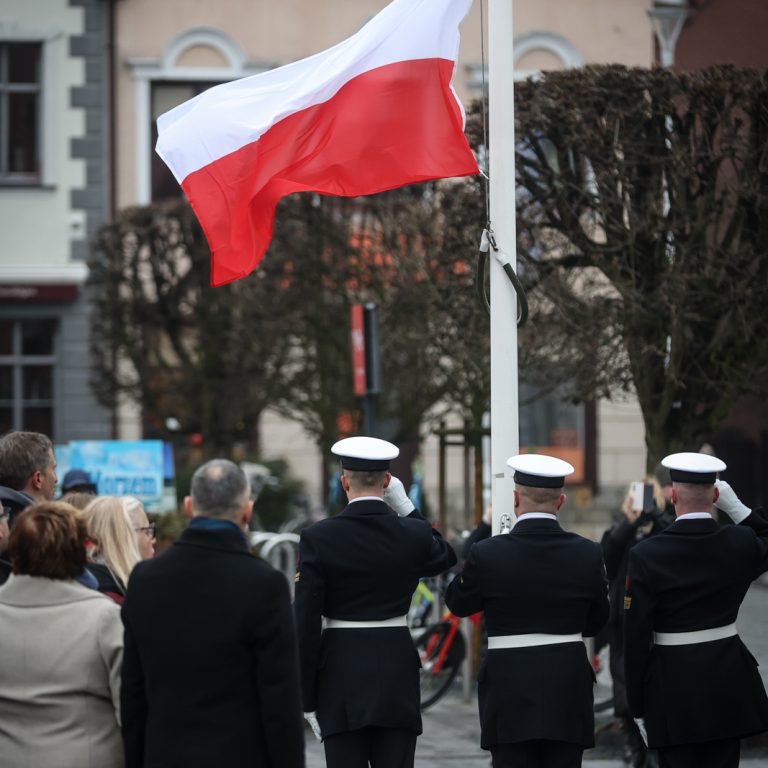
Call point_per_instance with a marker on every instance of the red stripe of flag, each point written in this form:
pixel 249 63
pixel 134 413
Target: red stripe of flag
pixel 394 125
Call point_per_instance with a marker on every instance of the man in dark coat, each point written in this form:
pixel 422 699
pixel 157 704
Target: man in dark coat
pixel 27 475
pixel 359 569
pixel 691 681
pixel 542 590
pixel 210 667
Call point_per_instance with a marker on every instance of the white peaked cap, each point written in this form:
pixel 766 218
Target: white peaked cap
pixel 539 471
pixel 365 453
pixel 700 468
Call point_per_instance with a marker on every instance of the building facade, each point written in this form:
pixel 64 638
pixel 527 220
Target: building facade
pixel 54 194
pixel 732 32
pixel 723 32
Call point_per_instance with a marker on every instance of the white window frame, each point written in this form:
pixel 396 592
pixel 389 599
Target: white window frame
pixel 17 360
pixel 52 41
pixel 549 42
pixel 166 68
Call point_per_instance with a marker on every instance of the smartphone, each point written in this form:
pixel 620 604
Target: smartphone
pixel 642 496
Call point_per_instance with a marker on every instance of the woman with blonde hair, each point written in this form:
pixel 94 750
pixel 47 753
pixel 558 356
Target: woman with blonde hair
pixel 144 530
pixel 113 550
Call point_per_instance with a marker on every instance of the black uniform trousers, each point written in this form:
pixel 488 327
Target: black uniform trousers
pixel 539 753
pixel 709 754
pixel 374 746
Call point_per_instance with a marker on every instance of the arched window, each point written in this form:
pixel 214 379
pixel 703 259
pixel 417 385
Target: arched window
pixel 538 51
pixel 191 62
pixel 534 52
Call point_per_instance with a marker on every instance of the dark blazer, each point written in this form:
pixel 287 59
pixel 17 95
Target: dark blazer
pixel 537 578
pixel 693 576
pixel 210 671
pixel 363 565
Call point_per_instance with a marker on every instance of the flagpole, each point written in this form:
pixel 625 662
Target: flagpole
pixel 501 127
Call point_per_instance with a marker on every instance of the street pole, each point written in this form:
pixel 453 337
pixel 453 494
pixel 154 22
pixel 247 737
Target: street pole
pixel 501 125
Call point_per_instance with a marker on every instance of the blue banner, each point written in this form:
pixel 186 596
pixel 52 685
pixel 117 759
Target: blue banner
pixel 122 468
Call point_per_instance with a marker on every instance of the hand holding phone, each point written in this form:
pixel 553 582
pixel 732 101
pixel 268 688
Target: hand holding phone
pixel 642 496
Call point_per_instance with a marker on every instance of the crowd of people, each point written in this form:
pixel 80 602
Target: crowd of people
pixel 65 566
pixel 113 657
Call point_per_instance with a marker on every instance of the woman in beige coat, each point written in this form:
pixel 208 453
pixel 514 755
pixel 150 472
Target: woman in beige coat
pixel 61 647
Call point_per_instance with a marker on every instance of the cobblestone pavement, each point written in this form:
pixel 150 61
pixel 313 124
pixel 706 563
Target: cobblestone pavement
pixel 451 735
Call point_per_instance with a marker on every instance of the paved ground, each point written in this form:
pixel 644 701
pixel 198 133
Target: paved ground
pixel 452 732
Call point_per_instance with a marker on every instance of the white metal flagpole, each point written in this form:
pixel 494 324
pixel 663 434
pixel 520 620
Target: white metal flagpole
pixel 505 439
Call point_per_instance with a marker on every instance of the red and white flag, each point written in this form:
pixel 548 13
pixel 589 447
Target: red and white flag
pixel 374 112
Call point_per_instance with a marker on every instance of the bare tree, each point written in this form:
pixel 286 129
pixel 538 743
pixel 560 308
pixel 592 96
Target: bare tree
pixel 643 238
pixel 336 252
pixel 167 340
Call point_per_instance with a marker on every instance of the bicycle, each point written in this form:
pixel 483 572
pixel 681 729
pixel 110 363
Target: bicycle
pixel 442 649
pixel 423 602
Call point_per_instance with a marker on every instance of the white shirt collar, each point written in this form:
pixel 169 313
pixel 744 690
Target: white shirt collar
pixel 695 516
pixel 537 516
pixel 366 498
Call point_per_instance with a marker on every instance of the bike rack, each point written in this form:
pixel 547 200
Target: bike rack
pixel 279 550
pixel 257 538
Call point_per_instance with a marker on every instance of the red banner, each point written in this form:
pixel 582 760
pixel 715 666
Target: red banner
pixel 358 350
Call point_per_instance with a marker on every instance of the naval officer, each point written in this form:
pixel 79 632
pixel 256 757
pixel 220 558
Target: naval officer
pixel 357 572
pixel 542 590
pixel 690 678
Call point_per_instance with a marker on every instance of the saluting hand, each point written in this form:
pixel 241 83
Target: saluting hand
pixel 396 497
pixel 729 502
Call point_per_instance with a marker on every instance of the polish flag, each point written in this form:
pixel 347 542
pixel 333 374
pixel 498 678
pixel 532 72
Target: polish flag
pixel 374 112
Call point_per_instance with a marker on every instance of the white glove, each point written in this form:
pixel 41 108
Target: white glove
pixel 396 497
pixel 311 718
pixel 729 502
pixel 640 723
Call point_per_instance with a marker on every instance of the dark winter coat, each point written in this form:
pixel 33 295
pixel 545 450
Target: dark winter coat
pixel 694 576
pixel 363 565
pixel 210 671
pixel 536 579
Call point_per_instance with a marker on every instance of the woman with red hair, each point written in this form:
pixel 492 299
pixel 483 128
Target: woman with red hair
pixel 62 648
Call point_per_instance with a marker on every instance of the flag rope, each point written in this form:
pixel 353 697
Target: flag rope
pixel 487 240
pixel 484 100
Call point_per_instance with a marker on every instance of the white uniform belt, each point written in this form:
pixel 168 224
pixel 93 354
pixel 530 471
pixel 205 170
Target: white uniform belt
pixel 697 636
pixel 531 639
pixel 396 621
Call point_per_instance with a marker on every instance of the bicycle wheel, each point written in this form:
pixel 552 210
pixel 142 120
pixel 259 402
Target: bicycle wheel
pixel 436 681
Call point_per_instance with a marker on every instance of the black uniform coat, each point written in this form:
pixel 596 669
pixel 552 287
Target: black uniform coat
pixel 693 576
pixel 616 544
pixel 537 578
pixel 210 670
pixel 363 565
